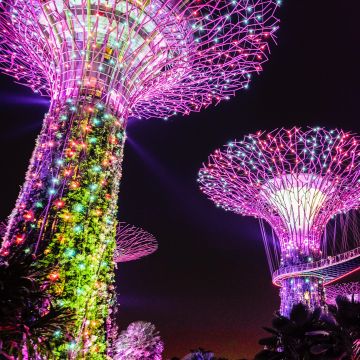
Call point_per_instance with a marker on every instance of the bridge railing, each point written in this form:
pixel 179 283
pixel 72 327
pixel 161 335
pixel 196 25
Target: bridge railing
pixel 312 266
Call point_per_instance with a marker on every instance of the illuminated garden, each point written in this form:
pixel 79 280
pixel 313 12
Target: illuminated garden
pixel 110 250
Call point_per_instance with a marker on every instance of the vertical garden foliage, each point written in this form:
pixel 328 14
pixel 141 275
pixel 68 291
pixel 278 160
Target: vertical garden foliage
pixel 70 207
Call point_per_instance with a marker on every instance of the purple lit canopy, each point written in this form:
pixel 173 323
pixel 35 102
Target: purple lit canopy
pixel 296 180
pixel 133 243
pixel 143 58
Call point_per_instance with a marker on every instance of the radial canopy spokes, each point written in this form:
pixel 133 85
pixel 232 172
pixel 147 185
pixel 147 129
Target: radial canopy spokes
pixel 295 179
pixel 158 57
pixel 133 243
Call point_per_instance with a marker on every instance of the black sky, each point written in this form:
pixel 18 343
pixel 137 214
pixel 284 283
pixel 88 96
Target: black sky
pixel 209 285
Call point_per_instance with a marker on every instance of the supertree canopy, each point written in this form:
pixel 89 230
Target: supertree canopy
pixel 350 290
pixel 133 243
pixel 103 62
pixel 296 180
pixel 143 58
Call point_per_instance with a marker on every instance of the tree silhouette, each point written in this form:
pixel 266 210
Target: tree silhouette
pixel 30 323
pixel 314 334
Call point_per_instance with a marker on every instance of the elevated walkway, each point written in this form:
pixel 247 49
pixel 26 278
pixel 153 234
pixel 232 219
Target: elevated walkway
pixel 330 269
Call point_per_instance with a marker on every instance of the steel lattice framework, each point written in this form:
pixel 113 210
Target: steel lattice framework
pixel 296 180
pixel 349 290
pixel 133 243
pixel 103 62
pixel 144 58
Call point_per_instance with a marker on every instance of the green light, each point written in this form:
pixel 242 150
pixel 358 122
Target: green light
pixel 72 345
pixel 57 334
pixel 93 187
pixel 96 121
pixel 78 228
pixel 78 207
pixel 96 168
pixel 52 191
pixel 70 253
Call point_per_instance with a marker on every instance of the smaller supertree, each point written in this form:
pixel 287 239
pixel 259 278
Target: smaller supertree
pixel 349 290
pixel 139 341
pixel 133 243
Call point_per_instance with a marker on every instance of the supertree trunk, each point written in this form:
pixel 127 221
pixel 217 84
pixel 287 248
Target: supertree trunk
pixel 66 211
pixel 308 290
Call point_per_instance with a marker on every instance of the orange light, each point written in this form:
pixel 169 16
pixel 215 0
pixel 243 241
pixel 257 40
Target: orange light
pixel 67 217
pixel 54 276
pixel 28 216
pixel 74 184
pixel 19 238
pixel 67 172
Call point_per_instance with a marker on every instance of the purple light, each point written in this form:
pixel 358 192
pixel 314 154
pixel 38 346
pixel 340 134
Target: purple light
pixel 296 180
pixel 5 98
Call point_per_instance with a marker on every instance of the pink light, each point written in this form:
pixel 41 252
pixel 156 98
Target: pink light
pixel 133 243
pixel 177 57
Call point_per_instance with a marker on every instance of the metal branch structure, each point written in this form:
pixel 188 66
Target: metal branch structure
pixel 133 243
pixel 104 63
pixel 349 290
pixel 143 58
pixel 296 180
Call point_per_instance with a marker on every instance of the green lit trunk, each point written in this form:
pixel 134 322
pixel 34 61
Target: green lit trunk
pixel 66 217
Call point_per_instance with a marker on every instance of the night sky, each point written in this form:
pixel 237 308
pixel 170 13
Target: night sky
pixel 209 285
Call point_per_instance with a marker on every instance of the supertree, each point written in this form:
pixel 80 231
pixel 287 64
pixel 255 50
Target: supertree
pixel 139 341
pixel 296 180
pixel 350 290
pixel 103 63
pixel 133 243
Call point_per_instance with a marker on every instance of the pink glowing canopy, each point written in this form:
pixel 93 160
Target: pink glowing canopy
pixel 295 179
pixel 133 243
pixel 155 58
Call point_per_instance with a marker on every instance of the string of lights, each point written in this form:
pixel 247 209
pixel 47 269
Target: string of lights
pixel 103 63
pixel 296 180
